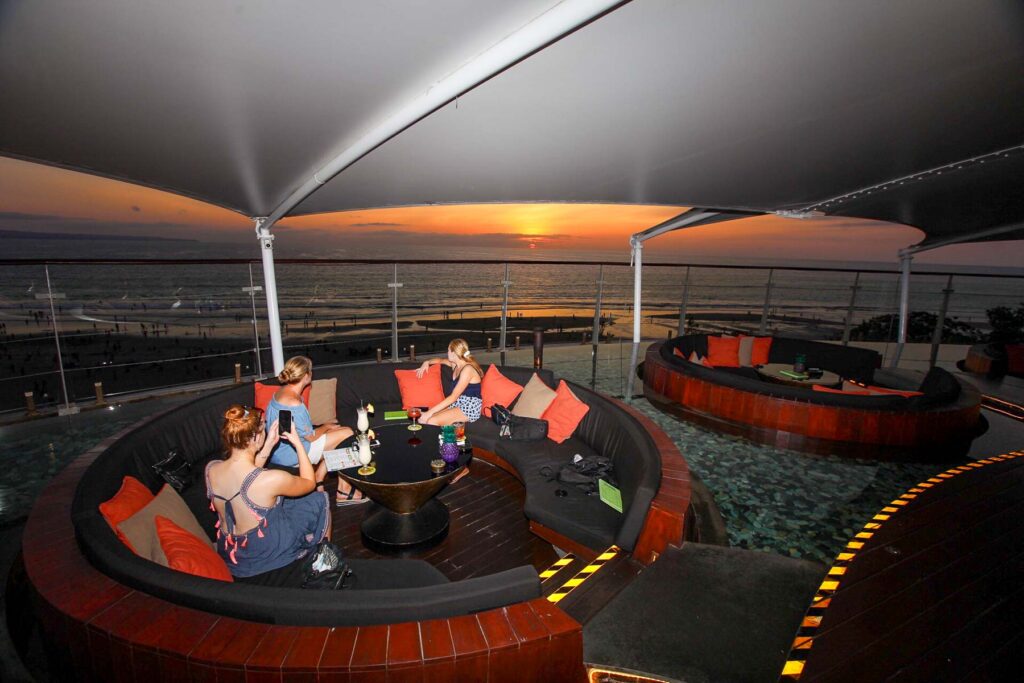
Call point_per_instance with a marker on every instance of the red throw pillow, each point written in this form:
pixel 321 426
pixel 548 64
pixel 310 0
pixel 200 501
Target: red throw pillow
pixel 188 554
pixel 496 388
pixel 677 352
pixel 420 393
pixel 564 414
pixel 759 354
pixel 265 392
pixel 129 499
pixel 830 390
pixel 724 352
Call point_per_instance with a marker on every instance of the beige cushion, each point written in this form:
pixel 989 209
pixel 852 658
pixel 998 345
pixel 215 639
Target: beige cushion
pixel 535 399
pixel 746 349
pixel 322 404
pixel 139 530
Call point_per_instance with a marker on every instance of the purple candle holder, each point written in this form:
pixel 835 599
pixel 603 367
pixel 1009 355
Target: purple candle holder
pixel 449 452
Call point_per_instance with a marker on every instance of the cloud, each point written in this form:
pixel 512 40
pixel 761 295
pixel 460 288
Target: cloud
pixel 135 208
pixel 377 225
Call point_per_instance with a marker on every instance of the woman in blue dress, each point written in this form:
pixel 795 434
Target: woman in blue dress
pixel 296 375
pixel 267 519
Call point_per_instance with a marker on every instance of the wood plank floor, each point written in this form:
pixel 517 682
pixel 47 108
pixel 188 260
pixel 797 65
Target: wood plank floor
pixel 488 532
pixel 936 592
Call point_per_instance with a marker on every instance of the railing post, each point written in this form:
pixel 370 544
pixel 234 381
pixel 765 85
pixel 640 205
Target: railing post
pixel 30 404
pixel 68 409
pixel 940 323
pixel 763 329
pixel 517 342
pixel 412 353
pixel 538 348
pixel 595 336
pixel 848 323
pixel 394 286
pixel 238 373
pixel 252 289
pixel 505 284
pixel 380 355
pixel 489 345
pixel 100 399
pixel 682 306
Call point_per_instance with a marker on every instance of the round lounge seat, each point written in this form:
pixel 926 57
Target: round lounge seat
pixel 386 590
pixel 940 422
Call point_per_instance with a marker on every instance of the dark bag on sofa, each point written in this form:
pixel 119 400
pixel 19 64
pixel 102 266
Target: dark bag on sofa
pixel 325 569
pixel 583 472
pixel 517 427
pixel 175 470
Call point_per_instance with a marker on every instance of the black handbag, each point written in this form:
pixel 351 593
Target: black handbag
pixel 516 427
pixel 175 470
pixel 325 569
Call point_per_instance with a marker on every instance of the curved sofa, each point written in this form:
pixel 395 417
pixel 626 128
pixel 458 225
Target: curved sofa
pixel 939 423
pixel 404 602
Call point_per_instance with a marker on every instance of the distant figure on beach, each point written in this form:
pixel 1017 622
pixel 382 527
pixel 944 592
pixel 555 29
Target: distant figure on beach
pixel 296 376
pixel 465 402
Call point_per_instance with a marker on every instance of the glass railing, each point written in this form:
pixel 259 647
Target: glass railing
pixel 118 327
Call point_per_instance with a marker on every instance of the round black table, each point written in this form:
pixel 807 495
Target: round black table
pixel 404 512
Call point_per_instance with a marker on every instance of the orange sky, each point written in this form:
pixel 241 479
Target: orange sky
pixel 44 199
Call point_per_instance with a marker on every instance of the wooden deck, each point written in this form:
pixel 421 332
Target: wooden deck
pixel 488 532
pixel 930 590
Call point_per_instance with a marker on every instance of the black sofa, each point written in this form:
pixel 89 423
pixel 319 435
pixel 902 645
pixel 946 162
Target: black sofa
pixel 939 387
pixel 391 590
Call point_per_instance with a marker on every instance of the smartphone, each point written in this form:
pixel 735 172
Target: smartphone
pixel 284 421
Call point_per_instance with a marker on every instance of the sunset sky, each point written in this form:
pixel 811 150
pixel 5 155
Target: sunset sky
pixel 38 198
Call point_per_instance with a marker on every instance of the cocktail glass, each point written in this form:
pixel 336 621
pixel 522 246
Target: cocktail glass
pixel 365 456
pixel 362 420
pixel 414 415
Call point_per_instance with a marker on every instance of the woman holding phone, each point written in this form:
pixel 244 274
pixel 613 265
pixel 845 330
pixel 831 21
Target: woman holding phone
pixel 267 518
pixel 296 376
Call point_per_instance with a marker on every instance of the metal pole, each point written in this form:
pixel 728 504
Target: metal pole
pixel 505 283
pixel 67 409
pixel 940 323
pixel 849 309
pixel 682 306
pixel 595 337
pixel 255 329
pixel 763 329
pixel 270 282
pixel 395 285
pixel 638 264
pixel 901 339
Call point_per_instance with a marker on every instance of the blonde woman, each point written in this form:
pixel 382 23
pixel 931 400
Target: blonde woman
pixel 296 376
pixel 268 518
pixel 465 402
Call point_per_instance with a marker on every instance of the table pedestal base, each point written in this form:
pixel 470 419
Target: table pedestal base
pixel 386 530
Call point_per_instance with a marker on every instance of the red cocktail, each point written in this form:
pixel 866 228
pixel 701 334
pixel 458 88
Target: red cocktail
pixel 414 415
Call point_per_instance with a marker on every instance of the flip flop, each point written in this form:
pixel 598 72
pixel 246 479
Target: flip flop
pixel 349 500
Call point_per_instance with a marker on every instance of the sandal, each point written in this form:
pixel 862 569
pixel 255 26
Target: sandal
pixel 348 498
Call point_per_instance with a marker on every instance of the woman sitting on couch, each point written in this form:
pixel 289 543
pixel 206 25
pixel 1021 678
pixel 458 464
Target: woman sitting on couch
pixel 296 376
pixel 267 518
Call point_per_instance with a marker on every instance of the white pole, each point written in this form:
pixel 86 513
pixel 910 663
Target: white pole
pixel 901 339
pixel 638 250
pixel 270 282
pixel 255 327
pixel 67 409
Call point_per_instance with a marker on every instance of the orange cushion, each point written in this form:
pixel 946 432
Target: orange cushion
pixel 420 393
pixel 188 554
pixel 129 499
pixel 724 352
pixel 759 354
pixel 677 352
pixel 265 392
pixel 564 414
pixel 496 388
pixel 830 390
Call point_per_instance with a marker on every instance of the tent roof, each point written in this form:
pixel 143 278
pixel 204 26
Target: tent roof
pixel 906 112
